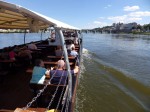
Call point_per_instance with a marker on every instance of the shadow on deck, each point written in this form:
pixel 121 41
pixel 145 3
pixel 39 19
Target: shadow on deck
pixel 15 90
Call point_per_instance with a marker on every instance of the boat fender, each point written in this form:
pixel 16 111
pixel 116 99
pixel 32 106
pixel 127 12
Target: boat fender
pixel 21 110
pixel 53 110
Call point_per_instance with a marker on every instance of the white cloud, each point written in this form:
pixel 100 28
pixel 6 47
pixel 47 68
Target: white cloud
pixel 101 17
pixel 130 17
pixel 136 16
pixel 140 14
pixel 95 24
pixel 134 19
pixel 124 19
pixel 118 18
pixel 100 24
pixel 131 8
pixel 107 6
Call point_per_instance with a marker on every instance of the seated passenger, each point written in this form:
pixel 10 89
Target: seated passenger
pixel 75 40
pixel 25 53
pixel 58 51
pixel 70 46
pixel 73 52
pixel 60 73
pixel 53 36
pixel 12 55
pixel 16 49
pixel 32 46
pixel 38 71
pixel 4 55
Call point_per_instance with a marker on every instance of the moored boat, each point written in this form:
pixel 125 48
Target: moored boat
pixel 17 92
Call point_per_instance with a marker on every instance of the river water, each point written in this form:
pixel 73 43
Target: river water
pixel 115 74
pixel 115 71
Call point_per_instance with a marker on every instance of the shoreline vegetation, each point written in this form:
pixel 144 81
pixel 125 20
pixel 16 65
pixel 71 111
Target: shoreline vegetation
pixel 122 28
pixel 134 33
pixel 141 33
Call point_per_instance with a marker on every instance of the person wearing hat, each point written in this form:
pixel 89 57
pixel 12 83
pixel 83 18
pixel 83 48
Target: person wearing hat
pixel 60 73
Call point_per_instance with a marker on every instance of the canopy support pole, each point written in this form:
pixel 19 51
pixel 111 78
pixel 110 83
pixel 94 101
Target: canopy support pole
pixel 41 34
pixel 66 61
pixel 25 37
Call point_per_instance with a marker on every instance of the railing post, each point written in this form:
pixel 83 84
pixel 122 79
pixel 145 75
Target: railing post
pixel 66 60
pixel 25 37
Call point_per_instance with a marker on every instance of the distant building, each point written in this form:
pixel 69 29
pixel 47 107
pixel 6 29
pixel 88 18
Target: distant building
pixel 128 26
pixel 120 27
pixel 117 25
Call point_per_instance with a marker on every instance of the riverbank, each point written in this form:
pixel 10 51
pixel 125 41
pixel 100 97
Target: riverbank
pixel 136 33
pixel 141 33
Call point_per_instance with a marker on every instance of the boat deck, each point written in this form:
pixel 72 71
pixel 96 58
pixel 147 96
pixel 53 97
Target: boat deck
pixel 15 88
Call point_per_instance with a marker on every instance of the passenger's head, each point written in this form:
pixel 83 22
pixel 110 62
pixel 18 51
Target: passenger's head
pixel 39 62
pixel 73 48
pixel 61 63
pixel 53 31
pixel 24 48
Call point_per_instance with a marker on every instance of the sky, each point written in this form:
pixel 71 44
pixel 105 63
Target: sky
pixel 87 14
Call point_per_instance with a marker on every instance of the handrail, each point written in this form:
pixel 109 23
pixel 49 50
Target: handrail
pixel 66 60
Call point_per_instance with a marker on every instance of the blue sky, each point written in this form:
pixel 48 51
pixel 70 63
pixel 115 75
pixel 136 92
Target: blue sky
pixel 91 13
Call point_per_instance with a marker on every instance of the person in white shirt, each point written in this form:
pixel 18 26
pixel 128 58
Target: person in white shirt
pixel 70 46
pixel 73 52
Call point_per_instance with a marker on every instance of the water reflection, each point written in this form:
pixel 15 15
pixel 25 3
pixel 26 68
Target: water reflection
pixel 130 37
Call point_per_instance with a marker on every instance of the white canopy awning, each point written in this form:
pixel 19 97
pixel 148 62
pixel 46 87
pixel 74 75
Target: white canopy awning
pixel 16 17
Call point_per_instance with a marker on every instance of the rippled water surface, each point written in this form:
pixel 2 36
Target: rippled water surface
pixel 115 75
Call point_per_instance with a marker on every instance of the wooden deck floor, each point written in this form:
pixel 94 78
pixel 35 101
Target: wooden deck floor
pixel 15 90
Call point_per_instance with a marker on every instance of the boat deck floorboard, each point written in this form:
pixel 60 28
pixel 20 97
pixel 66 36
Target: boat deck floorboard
pixel 15 90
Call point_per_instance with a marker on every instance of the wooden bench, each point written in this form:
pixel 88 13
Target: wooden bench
pixel 30 109
pixel 36 49
pixel 29 71
pixel 5 110
pixel 40 47
pixel 47 94
pixel 54 63
pixel 59 57
pixel 7 61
